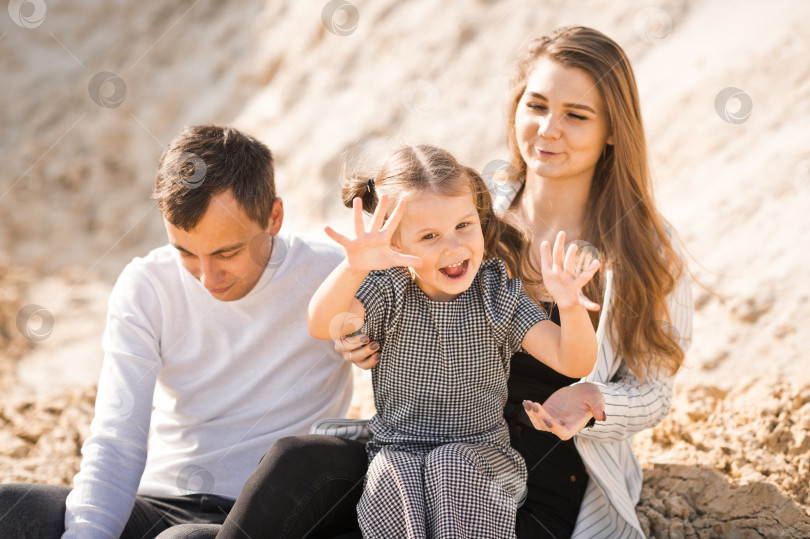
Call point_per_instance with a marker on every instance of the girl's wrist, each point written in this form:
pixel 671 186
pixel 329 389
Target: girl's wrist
pixel 573 308
pixel 358 273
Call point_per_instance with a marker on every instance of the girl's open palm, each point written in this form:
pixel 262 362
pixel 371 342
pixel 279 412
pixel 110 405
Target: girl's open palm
pixel 559 275
pixel 371 249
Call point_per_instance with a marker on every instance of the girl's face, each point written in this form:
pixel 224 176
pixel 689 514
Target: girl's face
pixel 445 232
pixel 561 124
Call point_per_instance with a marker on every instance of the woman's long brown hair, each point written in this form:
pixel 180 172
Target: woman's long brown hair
pixel 621 219
pixel 416 169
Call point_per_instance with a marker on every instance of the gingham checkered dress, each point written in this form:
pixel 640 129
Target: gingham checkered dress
pixel 440 460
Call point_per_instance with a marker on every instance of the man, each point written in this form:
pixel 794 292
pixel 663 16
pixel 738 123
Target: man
pixel 210 331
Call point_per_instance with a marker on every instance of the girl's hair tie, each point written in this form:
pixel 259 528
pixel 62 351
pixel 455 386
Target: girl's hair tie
pixel 370 186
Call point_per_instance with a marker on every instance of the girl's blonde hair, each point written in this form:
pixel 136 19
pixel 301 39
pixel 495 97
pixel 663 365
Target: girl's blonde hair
pixel 621 220
pixel 413 170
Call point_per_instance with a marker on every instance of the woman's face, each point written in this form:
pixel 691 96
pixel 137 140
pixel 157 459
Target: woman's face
pixel 561 124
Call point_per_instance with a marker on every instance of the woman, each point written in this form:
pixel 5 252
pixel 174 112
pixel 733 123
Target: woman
pixel 579 165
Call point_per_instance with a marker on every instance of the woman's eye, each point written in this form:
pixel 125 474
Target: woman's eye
pixel 577 116
pixel 536 106
pixel 462 225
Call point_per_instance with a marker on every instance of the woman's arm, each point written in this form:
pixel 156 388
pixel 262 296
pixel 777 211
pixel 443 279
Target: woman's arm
pixel 631 404
pixel 568 410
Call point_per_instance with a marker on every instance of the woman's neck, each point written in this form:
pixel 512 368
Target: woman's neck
pixel 548 206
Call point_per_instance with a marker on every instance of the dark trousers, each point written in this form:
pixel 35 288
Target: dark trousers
pixel 305 486
pixel 309 486
pixel 38 511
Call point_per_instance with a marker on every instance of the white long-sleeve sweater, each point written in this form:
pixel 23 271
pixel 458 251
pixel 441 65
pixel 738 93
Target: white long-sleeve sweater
pixel 226 380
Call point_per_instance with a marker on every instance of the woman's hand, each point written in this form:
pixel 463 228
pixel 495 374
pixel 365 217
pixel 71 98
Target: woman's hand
pixel 567 410
pixel 559 276
pixel 371 249
pixel 356 349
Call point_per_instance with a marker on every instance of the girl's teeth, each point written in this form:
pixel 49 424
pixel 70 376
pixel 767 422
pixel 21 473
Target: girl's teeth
pixel 451 269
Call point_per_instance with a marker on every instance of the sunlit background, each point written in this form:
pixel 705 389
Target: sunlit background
pixel 92 91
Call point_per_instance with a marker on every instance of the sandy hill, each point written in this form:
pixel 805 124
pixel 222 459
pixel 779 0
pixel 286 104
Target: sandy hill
pixel 93 91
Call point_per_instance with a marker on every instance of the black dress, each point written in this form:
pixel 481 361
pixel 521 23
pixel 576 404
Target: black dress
pixel 557 476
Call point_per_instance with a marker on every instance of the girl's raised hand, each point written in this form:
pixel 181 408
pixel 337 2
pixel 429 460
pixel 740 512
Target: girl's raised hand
pixel 371 249
pixel 559 275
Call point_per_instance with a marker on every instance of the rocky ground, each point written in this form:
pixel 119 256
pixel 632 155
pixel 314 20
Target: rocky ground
pixel 729 463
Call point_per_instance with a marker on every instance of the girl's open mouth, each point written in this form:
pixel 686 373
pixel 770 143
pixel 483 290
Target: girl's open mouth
pixel 455 271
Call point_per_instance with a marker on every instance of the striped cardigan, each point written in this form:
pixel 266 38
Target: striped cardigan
pixel 614 487
pixel 608 509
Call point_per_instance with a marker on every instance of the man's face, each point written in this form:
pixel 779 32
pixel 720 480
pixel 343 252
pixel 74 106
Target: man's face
pixel 224 251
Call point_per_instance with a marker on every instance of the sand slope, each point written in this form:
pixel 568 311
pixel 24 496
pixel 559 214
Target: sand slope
pixel 732 175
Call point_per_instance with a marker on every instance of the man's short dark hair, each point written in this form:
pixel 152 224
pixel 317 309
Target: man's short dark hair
pixel 206 160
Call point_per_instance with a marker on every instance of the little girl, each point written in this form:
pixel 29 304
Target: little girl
pixel 426 284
